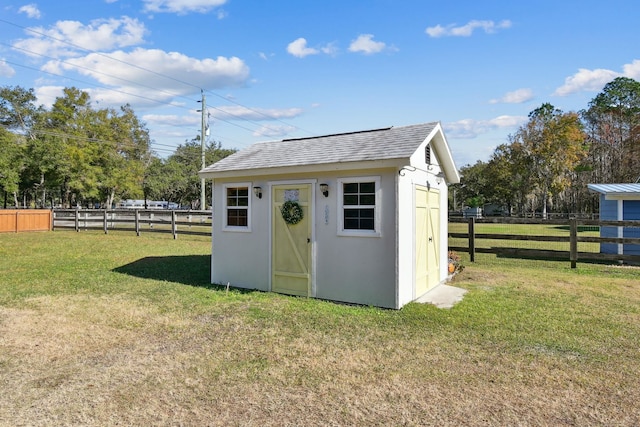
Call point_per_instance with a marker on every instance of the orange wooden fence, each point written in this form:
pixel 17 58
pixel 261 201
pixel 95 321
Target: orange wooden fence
pixel 19 220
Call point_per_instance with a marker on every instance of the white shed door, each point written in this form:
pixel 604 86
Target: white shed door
pixel 427 239
pixel 291 243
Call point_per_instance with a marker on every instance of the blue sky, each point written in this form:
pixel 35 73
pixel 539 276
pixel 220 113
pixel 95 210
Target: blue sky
pixel 288 69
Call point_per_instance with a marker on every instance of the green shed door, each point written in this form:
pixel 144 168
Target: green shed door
pixel 427 239
pixel 291 243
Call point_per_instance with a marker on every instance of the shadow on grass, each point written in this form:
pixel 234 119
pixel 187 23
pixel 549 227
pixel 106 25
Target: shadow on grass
pixel 192 270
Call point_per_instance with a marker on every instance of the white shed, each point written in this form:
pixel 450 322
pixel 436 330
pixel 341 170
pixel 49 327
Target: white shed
pixel 364 219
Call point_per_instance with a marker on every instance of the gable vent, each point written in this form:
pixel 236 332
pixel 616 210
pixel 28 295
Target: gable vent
pixel 427 154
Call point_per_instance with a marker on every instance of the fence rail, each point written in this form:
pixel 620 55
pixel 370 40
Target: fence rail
pixel 135 220
pixel 558 239
pixel 20 220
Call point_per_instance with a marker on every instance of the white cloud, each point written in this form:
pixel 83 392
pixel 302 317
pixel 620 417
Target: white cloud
pixel 230 113
pixel 467 29
pixel 222 14
pixel 47 94
pixel 365 44
pixel 595 80
pixel 173 119
pixel 516 97
pixel 182 7
pixel 632 70
pixel 273 131
pixel 470 128
pixel 590 80
pixel 6 70
pixel 298 48
pixel 31 10
pixel 245 113
pixel 65 37
pixel 164 83
pixel 329 49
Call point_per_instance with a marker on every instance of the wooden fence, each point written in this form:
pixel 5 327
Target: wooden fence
pixel 19 220
pixel 134 220
pixel 571 233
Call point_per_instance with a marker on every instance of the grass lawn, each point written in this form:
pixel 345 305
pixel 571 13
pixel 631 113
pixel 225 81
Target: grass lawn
pixel 105 330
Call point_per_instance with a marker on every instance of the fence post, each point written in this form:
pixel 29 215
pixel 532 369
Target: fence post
pixel 77 220
pixel 472 239
pixel 137 222
pixel 174 228
pixel 573 242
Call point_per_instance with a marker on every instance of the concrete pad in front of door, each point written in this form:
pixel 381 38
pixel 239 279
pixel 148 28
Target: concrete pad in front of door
pixel 443 296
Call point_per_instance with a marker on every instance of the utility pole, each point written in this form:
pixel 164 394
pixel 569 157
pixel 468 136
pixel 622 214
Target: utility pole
pixel 203 131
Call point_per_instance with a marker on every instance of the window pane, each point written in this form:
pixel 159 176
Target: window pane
pixel 358 205
pixel 350 199
pixel 237 217
pixel 351 213
pixel 351 188
pixel 368 187
pixel 237 196
pixel 367 199
pixel 366 224
pixel 350 224
pixel 359 219
pixel 366 213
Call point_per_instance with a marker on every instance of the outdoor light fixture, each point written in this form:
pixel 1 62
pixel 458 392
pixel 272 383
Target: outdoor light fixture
pixel 325 189
pixel 439 177
pixel 258 192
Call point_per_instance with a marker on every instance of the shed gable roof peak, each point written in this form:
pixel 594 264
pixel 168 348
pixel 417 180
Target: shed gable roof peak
pixel 336 134
pixel 369 145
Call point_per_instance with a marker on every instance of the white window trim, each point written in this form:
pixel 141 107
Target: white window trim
pixel 236 228
pixel 377 231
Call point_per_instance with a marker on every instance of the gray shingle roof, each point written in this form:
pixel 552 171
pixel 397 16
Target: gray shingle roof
pixel 379 144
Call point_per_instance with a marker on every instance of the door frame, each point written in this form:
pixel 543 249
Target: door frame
pixel 312 213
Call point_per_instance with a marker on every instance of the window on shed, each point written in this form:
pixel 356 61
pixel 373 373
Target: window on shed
pixel 360 206
pixel 237 204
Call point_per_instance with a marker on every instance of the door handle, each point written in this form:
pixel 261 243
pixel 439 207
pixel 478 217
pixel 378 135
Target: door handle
pixel 308 240
pixel 431 239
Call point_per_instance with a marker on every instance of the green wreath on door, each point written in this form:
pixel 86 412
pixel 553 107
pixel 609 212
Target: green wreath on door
pixel 291 212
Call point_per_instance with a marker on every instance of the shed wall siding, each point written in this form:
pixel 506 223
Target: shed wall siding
pixel 631 212
pixel 349 269
pixel 237 257
pixel 356 269
pixel 608 212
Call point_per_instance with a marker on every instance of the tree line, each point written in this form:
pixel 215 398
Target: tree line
pixel 547 163
pixel 74 154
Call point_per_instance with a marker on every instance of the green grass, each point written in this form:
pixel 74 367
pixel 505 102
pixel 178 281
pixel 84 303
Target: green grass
pixel 121 330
